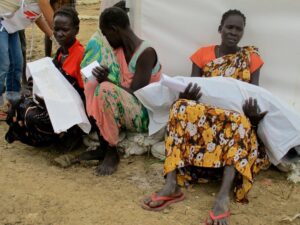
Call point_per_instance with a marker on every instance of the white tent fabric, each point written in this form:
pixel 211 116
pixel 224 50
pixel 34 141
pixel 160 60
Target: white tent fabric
pixel 177 28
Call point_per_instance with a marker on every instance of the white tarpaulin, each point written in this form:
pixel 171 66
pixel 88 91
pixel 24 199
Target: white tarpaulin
pixel 279 130
pixel 177 28
pixel 64 105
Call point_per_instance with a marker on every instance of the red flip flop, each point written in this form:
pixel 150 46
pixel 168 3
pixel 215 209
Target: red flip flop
pixel 167 200
pixel 218 217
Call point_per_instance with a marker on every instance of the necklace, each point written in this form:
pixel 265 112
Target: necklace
pixel 64 57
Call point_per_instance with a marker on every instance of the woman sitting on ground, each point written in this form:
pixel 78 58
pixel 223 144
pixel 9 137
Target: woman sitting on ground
pixel 202 142
pixel 29 122
pixel 228 59
pixel 98 48
pixel 109 99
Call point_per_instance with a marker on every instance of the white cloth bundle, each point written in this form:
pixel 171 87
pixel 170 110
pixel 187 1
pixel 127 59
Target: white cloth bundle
pixel 64 105
pixel 279 130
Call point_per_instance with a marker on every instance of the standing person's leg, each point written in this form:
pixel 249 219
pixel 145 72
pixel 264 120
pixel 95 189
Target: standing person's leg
pixel 23 47
pixel 13 79
pixel 48 46
pixel 4 61
pixel 47 41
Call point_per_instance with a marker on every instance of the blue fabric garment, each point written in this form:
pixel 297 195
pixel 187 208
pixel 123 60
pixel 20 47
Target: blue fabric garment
pixel 11 64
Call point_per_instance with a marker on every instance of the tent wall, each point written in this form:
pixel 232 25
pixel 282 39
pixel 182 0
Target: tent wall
pixel 177 28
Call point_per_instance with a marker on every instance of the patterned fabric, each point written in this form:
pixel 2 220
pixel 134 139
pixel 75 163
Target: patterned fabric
pixel 115 109
pixel 37 129
pixel 201 137
pixel 233 65
pixel 111 106
pixel 98 49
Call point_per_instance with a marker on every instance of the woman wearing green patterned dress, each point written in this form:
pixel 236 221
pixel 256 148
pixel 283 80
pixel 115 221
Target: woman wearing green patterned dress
pixel 109 98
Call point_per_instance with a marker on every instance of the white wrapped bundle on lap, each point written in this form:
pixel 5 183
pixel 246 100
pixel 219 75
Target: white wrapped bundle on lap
pixel 64 105
pixel 279 130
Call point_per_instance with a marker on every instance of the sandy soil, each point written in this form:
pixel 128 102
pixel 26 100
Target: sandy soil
pixel 36 192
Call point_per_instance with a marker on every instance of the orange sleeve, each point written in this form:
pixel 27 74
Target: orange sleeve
pixel 72 64
pixel 203 56
pixel 255 62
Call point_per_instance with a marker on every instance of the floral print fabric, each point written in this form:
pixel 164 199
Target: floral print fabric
pixel 113 108
pixel 98 49
pixel 203 136
pixel 233 65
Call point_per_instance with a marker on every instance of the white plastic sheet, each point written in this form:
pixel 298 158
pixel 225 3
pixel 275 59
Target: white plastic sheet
pixel 63 103
pixel 88 70
pixel 177 28
pixel 279 130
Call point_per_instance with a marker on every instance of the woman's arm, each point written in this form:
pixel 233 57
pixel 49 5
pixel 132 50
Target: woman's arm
pixel 41 23
pixel 196 71
pixel 144 66
pixel 47 11
pixel 142 76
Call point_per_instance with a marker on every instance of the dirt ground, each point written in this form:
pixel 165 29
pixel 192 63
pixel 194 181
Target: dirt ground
pixel 33 191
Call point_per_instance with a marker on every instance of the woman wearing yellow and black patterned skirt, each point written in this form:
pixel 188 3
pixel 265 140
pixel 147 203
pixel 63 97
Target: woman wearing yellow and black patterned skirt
pixel 201 142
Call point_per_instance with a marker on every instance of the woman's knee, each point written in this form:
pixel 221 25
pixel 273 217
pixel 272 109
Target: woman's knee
pixel 107 89
pixel 106 85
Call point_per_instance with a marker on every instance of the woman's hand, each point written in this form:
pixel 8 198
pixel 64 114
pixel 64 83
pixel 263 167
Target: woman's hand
pixel 101 73
pixel 192 92
pixel 253 112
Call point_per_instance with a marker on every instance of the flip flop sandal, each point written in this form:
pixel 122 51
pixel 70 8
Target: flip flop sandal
pixel 168 200
pixel 218 217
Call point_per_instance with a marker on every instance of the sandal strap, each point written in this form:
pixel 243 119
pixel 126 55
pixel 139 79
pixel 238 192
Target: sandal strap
pixel 220 216
pixel 156 198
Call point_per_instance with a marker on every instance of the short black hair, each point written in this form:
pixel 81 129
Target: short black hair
pixel 114 16
pixel 69 12
pixel 230 13
pixel 122 5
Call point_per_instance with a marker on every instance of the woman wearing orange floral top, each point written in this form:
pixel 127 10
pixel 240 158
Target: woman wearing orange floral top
pixel 204 142
pixel 228 59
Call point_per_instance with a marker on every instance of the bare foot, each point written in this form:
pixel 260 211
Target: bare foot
pixel 221 206
pixel 109 164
